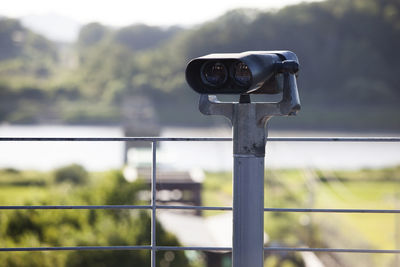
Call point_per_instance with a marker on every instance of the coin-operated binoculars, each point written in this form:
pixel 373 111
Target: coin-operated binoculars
pixel 253 72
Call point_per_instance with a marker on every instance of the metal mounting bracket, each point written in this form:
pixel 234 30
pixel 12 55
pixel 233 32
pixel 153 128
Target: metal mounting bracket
pixel 249 120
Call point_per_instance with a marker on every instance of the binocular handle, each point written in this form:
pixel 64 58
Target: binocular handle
pixel 290 103
pixel 287 66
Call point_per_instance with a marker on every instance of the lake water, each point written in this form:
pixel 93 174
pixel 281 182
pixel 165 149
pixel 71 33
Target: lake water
pixel 97 156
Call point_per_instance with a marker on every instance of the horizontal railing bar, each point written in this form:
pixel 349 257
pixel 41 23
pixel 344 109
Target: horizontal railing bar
pixel 333 210
pixel 114 139
pixel 334 139
pixel 193 248
pixel 166 207
pixel 288 249
pixel 192 208
pixel 208 139
pixel 285 209
pixel 108 207
pixel 77 207
pixel 76 248
pixel 334 250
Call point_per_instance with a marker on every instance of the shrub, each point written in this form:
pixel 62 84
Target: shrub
pixel 74 174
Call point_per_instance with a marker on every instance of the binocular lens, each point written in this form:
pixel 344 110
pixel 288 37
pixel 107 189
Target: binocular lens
pixel 214 73
pixel 242 74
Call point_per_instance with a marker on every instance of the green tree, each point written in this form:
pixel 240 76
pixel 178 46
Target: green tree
pixel 73 173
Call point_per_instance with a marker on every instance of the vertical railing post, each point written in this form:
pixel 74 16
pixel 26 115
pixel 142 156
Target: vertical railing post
pixel 153 202
pixel 397 229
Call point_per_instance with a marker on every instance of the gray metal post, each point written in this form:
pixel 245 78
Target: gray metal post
pixel 249 137
pixel 248 212
pixel 248 187
pixel 397 229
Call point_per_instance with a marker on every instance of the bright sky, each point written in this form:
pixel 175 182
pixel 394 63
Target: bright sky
pixel 124 12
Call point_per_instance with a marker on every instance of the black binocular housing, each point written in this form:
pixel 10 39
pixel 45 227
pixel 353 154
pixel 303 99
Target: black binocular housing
pixel 252 72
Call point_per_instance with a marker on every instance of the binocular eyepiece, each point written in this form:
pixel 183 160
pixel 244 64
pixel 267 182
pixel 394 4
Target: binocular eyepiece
pixel 253 72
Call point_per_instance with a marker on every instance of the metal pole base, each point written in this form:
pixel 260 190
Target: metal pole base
pixel 248 211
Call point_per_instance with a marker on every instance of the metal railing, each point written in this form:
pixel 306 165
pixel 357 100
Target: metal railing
pixel 154 207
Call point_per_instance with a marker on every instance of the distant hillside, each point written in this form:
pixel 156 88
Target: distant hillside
pixel 18 42
pixel 348 50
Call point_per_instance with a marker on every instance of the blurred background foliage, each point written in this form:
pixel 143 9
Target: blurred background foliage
pixel 49 228
pixel 284 188
pixel 348 50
